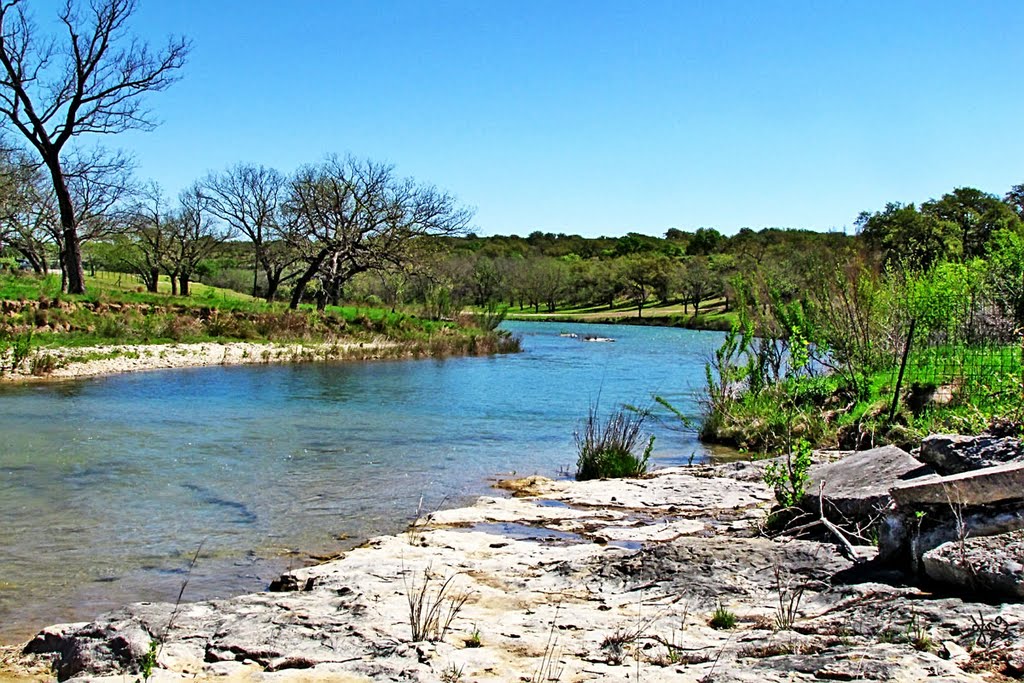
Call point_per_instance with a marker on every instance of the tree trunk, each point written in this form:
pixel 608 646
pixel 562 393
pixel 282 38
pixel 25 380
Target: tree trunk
pixel 334 292
pixel 300 284
pixel 63 266
pixel 256 275
pixel 153 281
pixel 273 282
pixel 72 252
pixel 38 264
pixel 183 279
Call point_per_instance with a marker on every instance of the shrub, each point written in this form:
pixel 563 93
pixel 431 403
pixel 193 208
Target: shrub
pixel 607 449
pixel 43 364
pixel 789 478
pixel 111 327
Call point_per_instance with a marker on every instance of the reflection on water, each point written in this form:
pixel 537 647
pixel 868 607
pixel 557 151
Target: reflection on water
pixel 108 486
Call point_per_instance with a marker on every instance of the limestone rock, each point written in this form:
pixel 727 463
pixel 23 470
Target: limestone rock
pixel 904 537
pixel 858 485
pixel 977 487
pixel 1015 661
pixel 527 591
pixel 97 648
pixel 953 453
pixel 955 653
pixel 992 564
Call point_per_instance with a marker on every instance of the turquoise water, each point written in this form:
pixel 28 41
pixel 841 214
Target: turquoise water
pixel 109 485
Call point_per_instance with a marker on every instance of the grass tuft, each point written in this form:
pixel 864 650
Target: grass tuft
pixel 607 449
pixel 722 618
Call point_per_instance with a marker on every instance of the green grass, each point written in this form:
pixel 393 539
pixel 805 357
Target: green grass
pixel 712 316
pixel 722 619
pixel 978 385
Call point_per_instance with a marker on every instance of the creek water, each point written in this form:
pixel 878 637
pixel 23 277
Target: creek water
pixel 108 486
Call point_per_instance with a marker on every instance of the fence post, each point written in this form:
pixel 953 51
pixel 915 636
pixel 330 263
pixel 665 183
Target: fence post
pixel 903 367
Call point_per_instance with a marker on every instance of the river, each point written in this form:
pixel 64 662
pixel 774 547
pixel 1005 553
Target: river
pixel 108 486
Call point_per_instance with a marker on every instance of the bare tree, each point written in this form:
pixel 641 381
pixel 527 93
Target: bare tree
pixel 28 213
pixel 102 189
pixel 194 237
pixel 90 82
pixel 248 198
pixel 354 216
pixel 147 246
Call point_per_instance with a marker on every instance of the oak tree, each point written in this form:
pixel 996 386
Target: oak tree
pixel 348 216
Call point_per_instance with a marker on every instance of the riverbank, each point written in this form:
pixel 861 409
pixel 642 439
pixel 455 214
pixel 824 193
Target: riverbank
pixel 48 335
pixel 665 578
pixel 80 362
pixel 712 323
pixel 77 362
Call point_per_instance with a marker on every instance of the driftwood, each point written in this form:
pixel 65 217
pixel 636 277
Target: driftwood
pixel 847 547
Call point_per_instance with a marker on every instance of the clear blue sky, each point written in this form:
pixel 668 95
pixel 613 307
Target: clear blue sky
pixel 605 117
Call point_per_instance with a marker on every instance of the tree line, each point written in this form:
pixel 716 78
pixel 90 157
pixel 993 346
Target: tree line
pixel 347 227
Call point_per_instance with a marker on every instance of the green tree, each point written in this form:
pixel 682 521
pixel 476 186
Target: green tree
pixel 705 241
pixel 642 275
pixel 1006 271
pixel 976 214
pixel 543 282
pixel 488 284
pixel 904 235
pixel 699 282
pixel 1015 200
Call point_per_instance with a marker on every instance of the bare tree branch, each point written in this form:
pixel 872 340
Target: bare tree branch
pixel 91 81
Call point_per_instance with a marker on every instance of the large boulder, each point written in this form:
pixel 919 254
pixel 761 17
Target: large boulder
pixel 932 511
pixel 857 486
pixel 954 453
pixel 989 564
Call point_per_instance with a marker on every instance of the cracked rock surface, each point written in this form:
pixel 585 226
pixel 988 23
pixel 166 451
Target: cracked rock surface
pixel 602 580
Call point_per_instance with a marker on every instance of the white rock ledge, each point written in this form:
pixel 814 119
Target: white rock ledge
pixel 613 581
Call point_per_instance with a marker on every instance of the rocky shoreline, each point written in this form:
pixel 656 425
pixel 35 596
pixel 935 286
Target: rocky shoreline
pixel 670 577
pixel 75 362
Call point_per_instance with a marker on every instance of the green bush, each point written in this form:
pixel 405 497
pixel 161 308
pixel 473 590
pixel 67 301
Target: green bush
pixel 789 477
pixel 608 449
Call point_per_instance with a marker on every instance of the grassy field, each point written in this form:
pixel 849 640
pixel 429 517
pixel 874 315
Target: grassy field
pixel 712 315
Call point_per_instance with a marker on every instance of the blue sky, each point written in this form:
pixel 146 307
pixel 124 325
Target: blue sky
pixel 605 117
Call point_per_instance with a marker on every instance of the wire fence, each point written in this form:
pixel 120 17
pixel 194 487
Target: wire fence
pixel 977 360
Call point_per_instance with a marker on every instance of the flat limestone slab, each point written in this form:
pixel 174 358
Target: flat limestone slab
pixel 980 487
pixel 858 485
